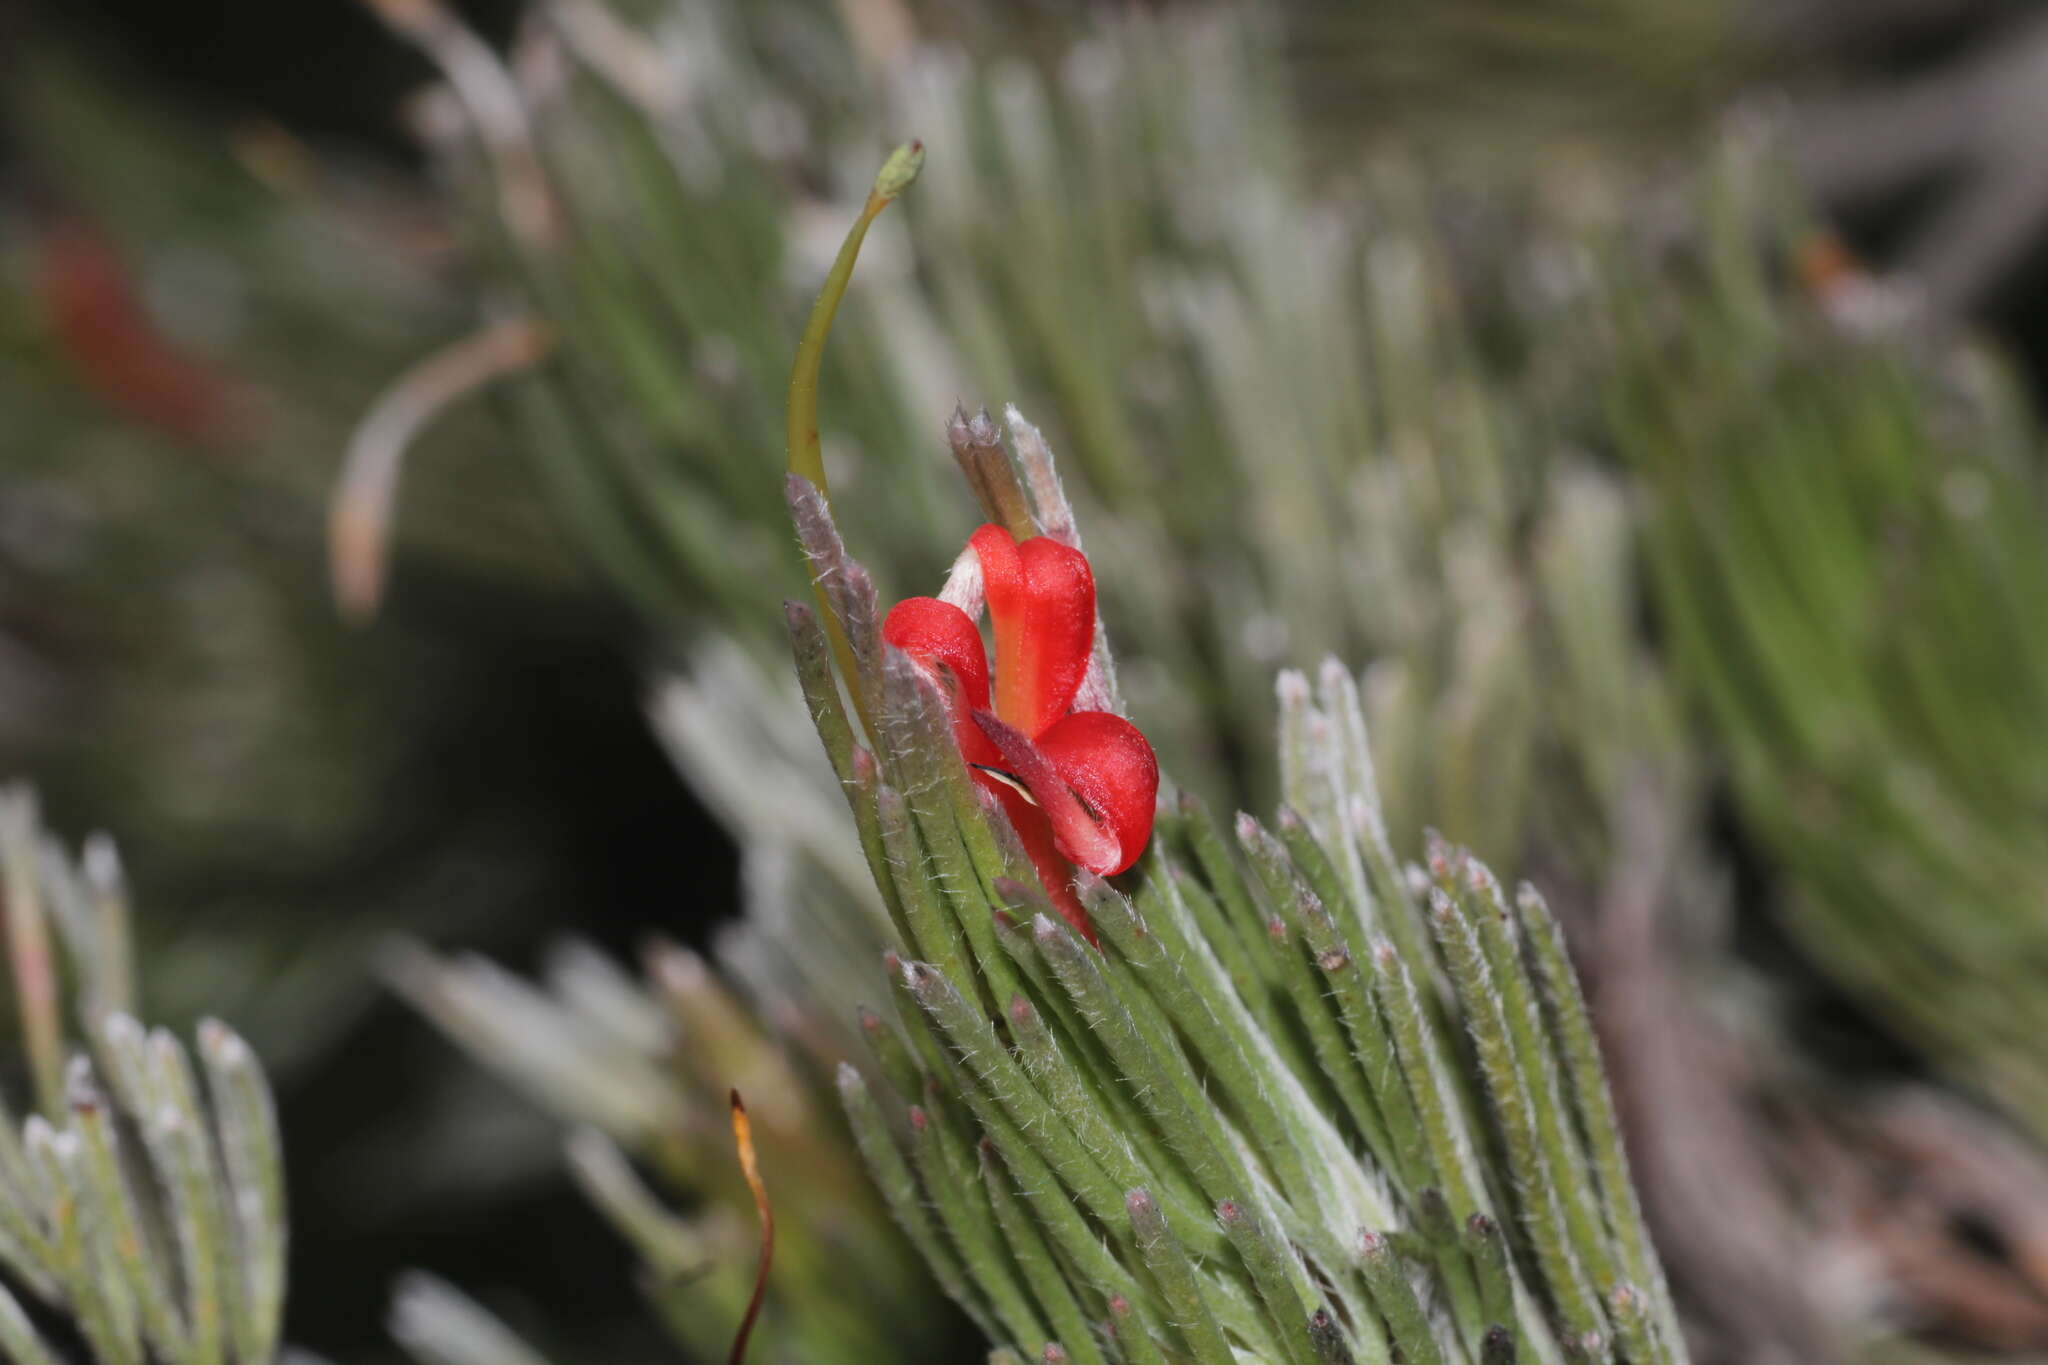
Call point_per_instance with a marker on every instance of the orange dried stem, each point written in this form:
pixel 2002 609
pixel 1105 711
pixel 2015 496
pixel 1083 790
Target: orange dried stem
pixel 359 515
pixel 743 1139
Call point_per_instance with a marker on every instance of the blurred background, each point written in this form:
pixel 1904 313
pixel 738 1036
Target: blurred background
pixel 1675 365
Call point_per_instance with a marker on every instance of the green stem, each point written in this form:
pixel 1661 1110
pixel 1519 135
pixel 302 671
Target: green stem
pixel 806 455
pixel 906 1200
pixel 1188 1306
pixel 1515 1100
pixel 1407 1320
pixel 1006 1082
pixel 1040 1264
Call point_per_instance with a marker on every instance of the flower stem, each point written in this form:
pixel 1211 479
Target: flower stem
pixel 806 455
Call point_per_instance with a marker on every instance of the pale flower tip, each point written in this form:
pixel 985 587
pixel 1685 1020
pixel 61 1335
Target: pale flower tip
pixel 1290 685
pixel 900 171
pixel 102 861
pixel 681 971
pixel 967 435
pixel 79 1090
pixel 223 1046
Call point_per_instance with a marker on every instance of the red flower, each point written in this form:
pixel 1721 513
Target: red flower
pixel 1079 786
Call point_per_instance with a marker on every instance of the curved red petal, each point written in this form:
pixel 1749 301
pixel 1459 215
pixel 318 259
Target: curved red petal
pixel 1002 572
pixel 1109 764
pixel 1095 778
pixel 945 641
pixel 1041 598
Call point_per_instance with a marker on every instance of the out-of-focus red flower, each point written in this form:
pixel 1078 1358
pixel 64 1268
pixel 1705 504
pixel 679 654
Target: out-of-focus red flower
pixel 108 335
pixel 1079 786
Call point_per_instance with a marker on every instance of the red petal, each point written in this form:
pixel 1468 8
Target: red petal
pixel 1055 873
pixel 942 639
pixel 102 321
pixel 1095 778
pixel 1111 767
pixel 1041 597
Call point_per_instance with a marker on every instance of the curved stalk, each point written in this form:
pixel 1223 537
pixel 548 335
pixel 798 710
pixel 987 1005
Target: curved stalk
pixel 806 457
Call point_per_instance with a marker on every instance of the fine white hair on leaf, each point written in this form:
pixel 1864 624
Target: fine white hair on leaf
pixel 1055 516
pixel 964 587
pixel 1048 500
pixel 848 590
